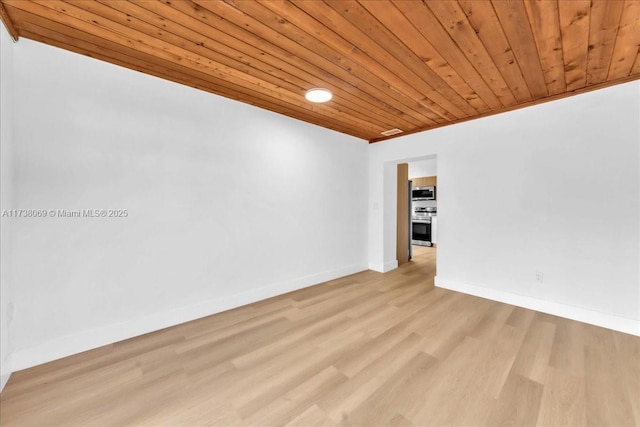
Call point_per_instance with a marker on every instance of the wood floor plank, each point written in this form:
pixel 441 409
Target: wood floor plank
pixel 533 358
pixel 289 406
pixel 304 332
pixel 567 353
pixel 313 416
pixel 381 408
pixel 518 404
pixel 359 358
pixel 563 400
pixel 459 376
pixel 607 401
pixel 259 394
pixel 368 349
pixel 628 348
pixel 352 393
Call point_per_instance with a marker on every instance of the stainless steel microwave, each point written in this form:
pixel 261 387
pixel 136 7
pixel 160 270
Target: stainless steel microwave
pixel 423 193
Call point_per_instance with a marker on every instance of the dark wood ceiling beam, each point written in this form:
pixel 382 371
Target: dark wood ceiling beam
pixel 8 23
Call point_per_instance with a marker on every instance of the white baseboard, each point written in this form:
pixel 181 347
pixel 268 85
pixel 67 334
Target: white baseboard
pixel 5 372
pixel 86 340
pixel 384 267
pixel 606 320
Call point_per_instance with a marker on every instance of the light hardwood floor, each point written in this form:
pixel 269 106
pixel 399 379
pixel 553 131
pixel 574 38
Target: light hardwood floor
pixel 369 349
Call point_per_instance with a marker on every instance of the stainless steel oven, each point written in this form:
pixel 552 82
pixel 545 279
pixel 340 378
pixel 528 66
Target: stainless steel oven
pixel 421 225
pixel 421 232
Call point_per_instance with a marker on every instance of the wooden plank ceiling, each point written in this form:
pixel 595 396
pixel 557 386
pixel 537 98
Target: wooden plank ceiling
pixel 412 65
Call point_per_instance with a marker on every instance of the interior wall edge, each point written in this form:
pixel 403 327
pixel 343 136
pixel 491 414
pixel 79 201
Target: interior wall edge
pixel 90 339
pixel 5 372
pixel 597 318
pixel 383 267
pixel 7 201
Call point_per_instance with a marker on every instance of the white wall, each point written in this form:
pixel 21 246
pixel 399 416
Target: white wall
pixel 227 203
pixel 423 167
pixel 553 188
pixel 6 200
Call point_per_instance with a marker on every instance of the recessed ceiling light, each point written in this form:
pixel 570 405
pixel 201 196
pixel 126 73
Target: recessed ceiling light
pixel 318 94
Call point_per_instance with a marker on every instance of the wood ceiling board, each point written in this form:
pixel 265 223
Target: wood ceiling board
pixel 412 65
pixel 512 15
pixel 460 30
pixel 354 28
pixel 574 27
pixel 371 86
pixel 334 84
pixel 249 64
pixel 636 65
pixel 357 84
pixel 225 30
pixel 438 96
pixel 390 16
pixel 603 30
pixel 545 25
pixel 316 53
pixel 397 26
pixel 486 24
pixel 431 29
pixel 368 55
pixel 627 42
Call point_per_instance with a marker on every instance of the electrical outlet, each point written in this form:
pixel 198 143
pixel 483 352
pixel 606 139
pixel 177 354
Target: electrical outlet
pixel 539 277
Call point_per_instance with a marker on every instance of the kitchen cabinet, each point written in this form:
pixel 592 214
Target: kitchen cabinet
pixel 425 181
pixel 434 230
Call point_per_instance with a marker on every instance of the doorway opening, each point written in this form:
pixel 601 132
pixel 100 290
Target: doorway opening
pixel 417 210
